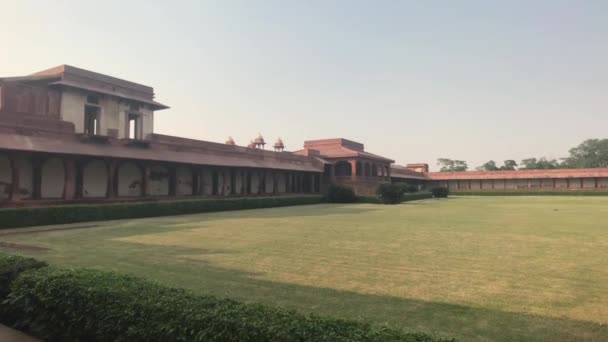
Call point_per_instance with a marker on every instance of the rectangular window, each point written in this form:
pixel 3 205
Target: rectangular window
pixel 91 120
pixel 134 130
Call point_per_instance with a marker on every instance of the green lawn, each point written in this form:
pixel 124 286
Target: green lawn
pixel 475 268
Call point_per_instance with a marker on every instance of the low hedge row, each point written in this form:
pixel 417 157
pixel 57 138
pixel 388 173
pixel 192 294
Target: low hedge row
pixel 406 197
pixel 89 305
pixel 532 193
pixel 414 196
pixel 38 216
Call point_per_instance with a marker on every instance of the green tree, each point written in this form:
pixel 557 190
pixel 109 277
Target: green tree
pixel 509 164
pixel 450 165
pixel 539 164
pixel 590 153
pixel 489 166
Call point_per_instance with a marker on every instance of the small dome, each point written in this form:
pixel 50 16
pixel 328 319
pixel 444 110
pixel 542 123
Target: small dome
pixel 251 144
pixel 279 144
pixel 259 140
pixel 230 141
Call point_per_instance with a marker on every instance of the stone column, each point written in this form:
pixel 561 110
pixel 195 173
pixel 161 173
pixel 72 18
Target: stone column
pixel 353 167
pixel 37 181
pixel 17 160
pixel 145 179
pixel 172 180
pixel 112 190
pixel 69 184
pixel 261 182
pixel 300 183
pixel 313 183
pixel 196 181
pixel 275 185
pixel 223 191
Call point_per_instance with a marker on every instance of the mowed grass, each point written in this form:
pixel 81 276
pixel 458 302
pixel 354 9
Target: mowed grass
pixel 474 268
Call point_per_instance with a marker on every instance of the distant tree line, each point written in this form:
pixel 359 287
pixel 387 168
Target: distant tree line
pixel 591 153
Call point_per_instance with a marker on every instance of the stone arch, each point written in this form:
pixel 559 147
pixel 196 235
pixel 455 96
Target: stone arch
pixel 367 170
pixel 6 177
pixel 343 168
pixel 184 181
pixel 95 179
pixel 158 181
pixel 130 180
pixel 52 178
pixel 359 169
pixel 374 170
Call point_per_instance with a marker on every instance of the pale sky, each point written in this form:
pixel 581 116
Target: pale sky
pixel 412 80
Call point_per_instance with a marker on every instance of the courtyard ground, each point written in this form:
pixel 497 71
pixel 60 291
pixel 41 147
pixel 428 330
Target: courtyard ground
pixel 474 268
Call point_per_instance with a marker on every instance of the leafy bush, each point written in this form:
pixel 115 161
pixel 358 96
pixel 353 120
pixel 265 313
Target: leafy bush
pixel 11 266
pixel 389 193
pixel 90 305
pixel 408 188
pixel 440 192
pixel 37 216
pixel 340 194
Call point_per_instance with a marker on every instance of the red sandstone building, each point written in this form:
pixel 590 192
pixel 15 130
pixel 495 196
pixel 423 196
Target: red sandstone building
pixel 68 134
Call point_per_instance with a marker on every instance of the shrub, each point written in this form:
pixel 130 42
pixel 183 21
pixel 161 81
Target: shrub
pixel 90 305
pixel 440 192
pixel 10 267
pixel 389 193
pixel 408 188
pixel 340 194
pixel 37 216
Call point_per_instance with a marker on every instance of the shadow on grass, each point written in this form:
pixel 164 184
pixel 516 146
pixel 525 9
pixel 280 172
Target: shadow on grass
pixel 442 319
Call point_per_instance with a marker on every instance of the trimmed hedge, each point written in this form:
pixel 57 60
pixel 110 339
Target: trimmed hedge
pixel 440 192
pixel 416 196
pixel 340 194
pixel 532 193
pixel 404 198
pixel 389 193
pixel 38 216
pixel 90 305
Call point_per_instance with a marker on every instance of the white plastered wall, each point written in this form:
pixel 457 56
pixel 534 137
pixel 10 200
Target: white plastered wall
pixel 184 181
pixel 269 182
pixel 52 178
pixel 281 179
pixel 255 183
pixel 95 179
pixel 158 182
pixel 72 108
pixel 207 186
pixel 130 180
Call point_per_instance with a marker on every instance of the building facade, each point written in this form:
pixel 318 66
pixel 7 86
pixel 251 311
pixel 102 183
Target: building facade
pixel 72 135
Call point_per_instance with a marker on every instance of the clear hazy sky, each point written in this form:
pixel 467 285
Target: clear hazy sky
pixel 413 80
